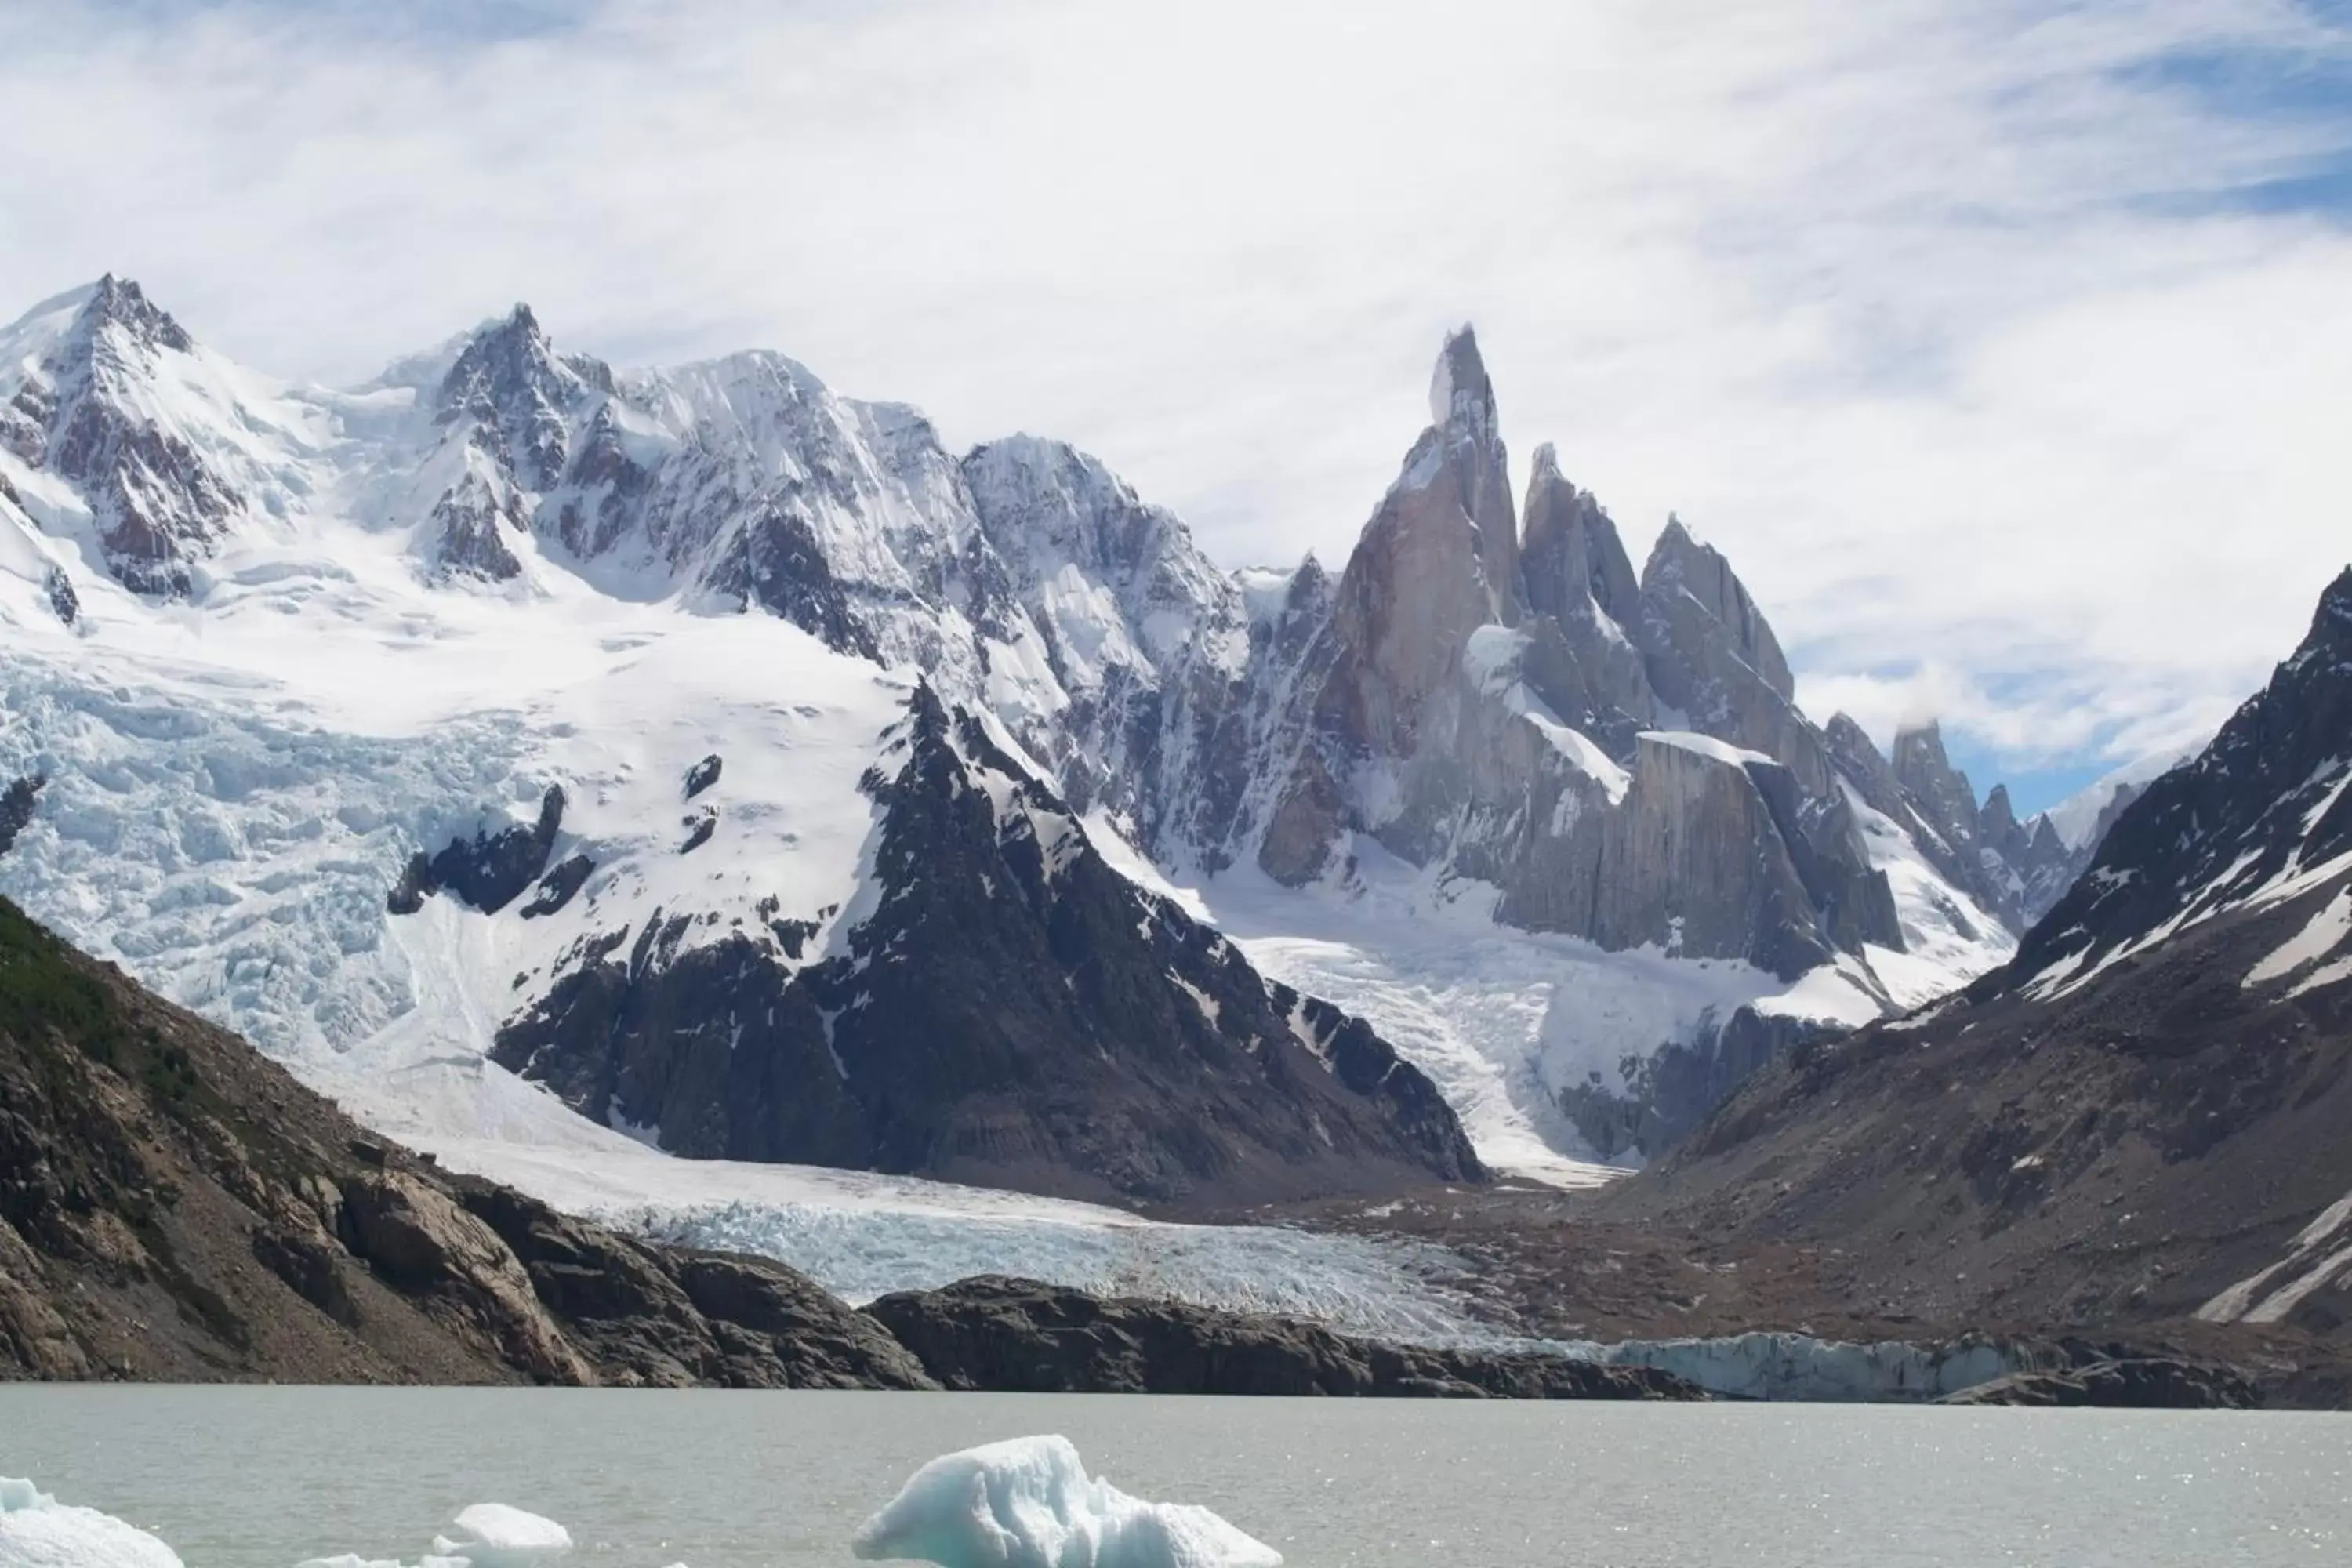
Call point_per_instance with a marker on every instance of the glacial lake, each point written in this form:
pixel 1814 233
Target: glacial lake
pixel 262 1478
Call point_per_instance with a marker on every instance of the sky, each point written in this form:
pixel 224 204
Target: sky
pixel 2004 348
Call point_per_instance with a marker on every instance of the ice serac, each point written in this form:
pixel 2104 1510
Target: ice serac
pixel 1028 1502
pixel 1004 1009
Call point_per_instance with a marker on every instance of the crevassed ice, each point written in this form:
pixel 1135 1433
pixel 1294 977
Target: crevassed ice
pixel 1029 1504
pixel 1388 1288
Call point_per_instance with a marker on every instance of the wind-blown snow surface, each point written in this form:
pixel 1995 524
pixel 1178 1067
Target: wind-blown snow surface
pixel 1028 1502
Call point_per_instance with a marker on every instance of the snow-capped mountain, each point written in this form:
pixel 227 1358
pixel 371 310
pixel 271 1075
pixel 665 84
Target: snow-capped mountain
pixel 2258 820
pixel 510 711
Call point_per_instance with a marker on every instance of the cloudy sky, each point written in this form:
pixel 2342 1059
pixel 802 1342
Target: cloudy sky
pixel 2006 348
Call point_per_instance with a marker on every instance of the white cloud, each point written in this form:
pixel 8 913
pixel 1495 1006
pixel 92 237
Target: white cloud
pixel 1897 302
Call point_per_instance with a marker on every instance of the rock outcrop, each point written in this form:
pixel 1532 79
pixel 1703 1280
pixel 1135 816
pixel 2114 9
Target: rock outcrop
pixel 17 804
pixel 491 869
pixel 2135 1383
pixel 1016 1336
pixel 174 1206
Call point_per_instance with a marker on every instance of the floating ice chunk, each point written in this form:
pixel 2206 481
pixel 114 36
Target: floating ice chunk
pixel 1029 1504
pixel 492 1535
pixel 486 1535
pixel 38 1531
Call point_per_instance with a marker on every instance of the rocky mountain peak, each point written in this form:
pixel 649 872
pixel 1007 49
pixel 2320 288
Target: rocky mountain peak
pixel 1998 817
pixel 121 303
pixel 1924 768
pixel 2331 624
pixel 1462 453
pixel 1461 397
pixel 1848 739
pixel 151 476
pixel 1571 560
pixel 1680 564
pixel 1939 791
pixel 2262 814
pixel 510 381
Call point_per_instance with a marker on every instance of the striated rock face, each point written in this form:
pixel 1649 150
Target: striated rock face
pixel 1012 1012
pixel 1622 759
pixel 1015 1336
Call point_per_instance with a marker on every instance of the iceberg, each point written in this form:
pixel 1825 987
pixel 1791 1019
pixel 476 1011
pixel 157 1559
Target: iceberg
pixel 38 1531
pixel 492 1535
pixel 486 1535
pixel 1028 1503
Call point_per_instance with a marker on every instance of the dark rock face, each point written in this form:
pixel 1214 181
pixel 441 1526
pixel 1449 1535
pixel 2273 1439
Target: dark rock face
pixel 556 888
pixel 675 1318
pixel 509 380
pixel 2015 873
pixel 719 1049
pixel 1012 1012
pixel 174 1206
pixel 1673 1092
pixel 17 804
pixel 2265 796
pixel 62 597
pixel 2137 1382
pixel 1016 1336
pixel 702 776
pixel 776 563
pixel 469 525
pixel 490 870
